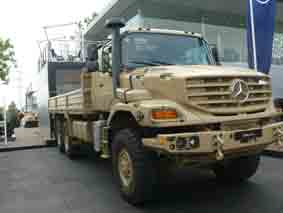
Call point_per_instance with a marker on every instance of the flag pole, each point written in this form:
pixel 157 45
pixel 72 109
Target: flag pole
pixel 253 34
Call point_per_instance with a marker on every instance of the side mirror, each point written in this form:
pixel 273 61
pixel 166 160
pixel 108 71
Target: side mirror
pixel 92 52
pixel 215 54
pixel 91 66
pixel 92 58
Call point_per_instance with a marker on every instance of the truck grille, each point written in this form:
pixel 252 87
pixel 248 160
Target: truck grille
pixel 213 94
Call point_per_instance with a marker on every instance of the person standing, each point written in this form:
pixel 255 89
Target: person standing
pixel 11 119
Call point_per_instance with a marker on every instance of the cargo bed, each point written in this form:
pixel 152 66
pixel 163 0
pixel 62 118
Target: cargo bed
pixel 79 100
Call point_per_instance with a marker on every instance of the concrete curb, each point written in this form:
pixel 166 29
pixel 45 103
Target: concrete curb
pixel 273 154
pixel 18 148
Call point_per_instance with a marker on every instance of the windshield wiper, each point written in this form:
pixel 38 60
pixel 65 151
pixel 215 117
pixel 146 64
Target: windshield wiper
pixel 161 62
pixel 151 63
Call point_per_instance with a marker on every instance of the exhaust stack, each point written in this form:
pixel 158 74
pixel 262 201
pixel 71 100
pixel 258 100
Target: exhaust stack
pixel 115 24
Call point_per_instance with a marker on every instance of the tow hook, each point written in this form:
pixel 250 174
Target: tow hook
pixel 279 134
pixel 217 144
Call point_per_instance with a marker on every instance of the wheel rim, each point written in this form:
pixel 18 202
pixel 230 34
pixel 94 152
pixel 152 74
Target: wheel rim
pixel 66 145
pixel 59 139
pixel 125 167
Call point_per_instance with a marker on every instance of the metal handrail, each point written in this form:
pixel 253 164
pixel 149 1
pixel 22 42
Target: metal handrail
pixel 5 117
pixel 4 124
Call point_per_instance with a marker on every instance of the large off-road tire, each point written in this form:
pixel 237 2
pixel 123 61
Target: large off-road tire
pixel 68 145
pixel 60 135
pixel 134 167
pixel 237 170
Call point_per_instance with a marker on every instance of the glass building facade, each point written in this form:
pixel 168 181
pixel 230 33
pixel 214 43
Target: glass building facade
pixel 221 22
pixel 230 38
pixel 226 31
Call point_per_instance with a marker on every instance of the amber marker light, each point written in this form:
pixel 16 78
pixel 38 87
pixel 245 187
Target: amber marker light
pixel 164 114
pixel 162 141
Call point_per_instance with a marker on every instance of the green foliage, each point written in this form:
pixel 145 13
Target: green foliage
pixel 87 20
pixel 7 58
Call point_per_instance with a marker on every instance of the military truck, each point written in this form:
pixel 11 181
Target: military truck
pixel 153 99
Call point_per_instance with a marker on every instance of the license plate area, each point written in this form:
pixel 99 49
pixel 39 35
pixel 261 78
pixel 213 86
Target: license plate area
pixel 249 135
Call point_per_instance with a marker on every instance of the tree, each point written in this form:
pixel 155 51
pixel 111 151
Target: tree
pixel 87 20
pixel 7 58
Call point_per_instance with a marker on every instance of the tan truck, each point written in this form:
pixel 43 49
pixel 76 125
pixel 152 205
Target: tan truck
pixel 153 99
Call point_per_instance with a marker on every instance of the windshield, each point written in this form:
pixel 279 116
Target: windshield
pixel 153 49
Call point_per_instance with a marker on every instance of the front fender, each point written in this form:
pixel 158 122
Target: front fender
pixel 141 111
pixel 123 107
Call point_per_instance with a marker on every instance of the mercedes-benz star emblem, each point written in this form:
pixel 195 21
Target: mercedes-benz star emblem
pixel 239 90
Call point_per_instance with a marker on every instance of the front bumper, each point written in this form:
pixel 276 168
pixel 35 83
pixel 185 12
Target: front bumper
pixel 217 144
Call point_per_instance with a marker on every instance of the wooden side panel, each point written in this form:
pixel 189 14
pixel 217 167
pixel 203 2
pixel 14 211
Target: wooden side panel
pixel 74 101
pixel 86 85
pixel 78 100
pixel 52 103
pixel 61 102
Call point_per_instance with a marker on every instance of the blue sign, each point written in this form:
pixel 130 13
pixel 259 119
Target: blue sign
pixel 260 30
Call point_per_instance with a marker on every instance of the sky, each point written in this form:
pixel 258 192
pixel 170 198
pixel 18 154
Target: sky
pixel 22 22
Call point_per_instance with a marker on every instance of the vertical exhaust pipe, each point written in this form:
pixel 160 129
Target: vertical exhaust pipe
pixel 115 24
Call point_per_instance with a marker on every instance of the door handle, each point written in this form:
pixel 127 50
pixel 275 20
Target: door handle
pixel 101 85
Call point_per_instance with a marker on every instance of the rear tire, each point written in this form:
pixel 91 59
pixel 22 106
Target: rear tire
pixel 68 146
pixel 134 168
pixel 60 136
pixel 237 170
pixel 69 150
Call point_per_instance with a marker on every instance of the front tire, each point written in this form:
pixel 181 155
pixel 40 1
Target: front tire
pixel 237 170
pixel 134 167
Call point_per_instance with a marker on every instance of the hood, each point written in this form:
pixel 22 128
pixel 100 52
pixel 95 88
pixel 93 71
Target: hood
pixel 210 88
pixel 203 71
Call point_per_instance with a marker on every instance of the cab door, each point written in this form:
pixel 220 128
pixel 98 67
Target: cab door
pixel 103 80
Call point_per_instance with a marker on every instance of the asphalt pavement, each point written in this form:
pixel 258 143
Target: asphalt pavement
pixel 43 180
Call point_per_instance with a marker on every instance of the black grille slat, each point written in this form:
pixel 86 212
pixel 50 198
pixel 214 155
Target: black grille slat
pixel 213 94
